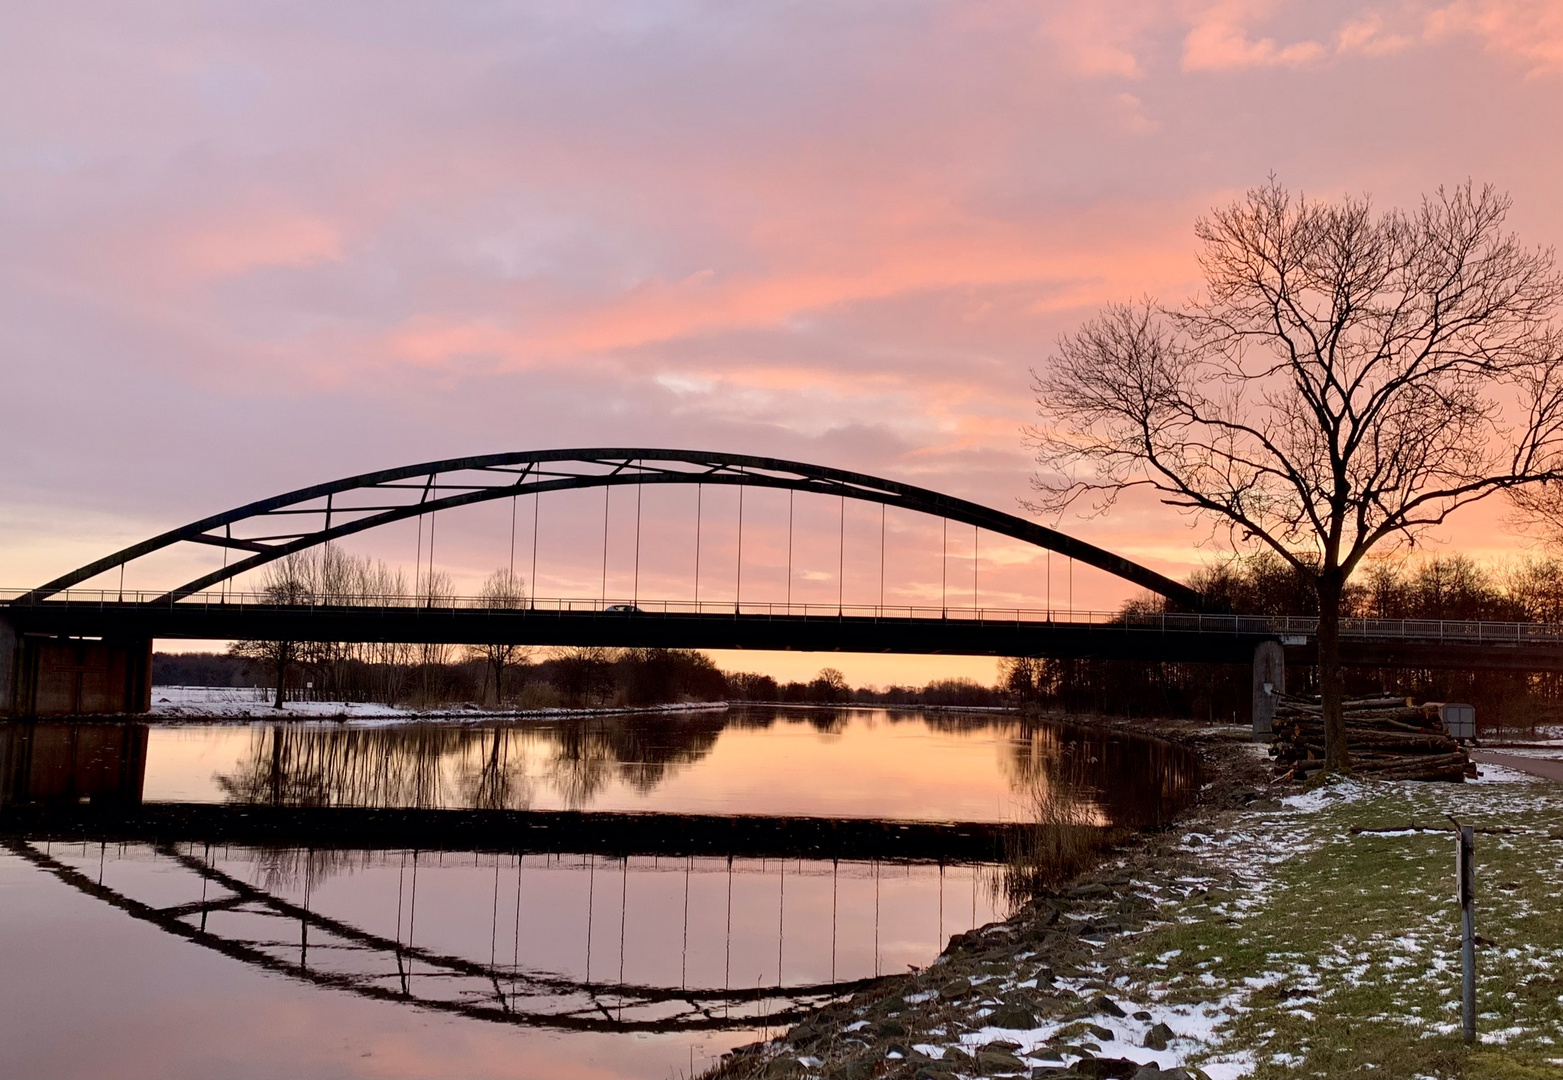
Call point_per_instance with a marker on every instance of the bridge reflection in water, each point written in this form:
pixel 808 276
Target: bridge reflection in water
pixel 578 943
pixel 562 916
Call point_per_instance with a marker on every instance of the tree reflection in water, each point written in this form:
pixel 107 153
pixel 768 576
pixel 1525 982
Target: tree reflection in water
pixel 1064 773
pixel 428 766
pixel 1087 789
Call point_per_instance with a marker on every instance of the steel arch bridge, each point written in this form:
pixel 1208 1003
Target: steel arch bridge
pixel 270 529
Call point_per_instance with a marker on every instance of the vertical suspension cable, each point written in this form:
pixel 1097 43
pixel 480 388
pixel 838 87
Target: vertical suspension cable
pixel 727 969
pixel 790 494
pixel 835 873
pixel 417 563
pixel 400 880
pixel 515 952
pixel 781 918
pixel 412 914
pixel 510 582
pixel 876 918
pixel 700 491
pixel 939 941
pixel 537 508
pixel 683 962
pixel 493 923
pixel 841 558
pixel 606 491
pixel 944 577
pixel 881 558
pixel 624 896
pixel 1071 588
pixel 591 896
pixel 1049 584
pixel 430 579
pixel 639 487
pixel 975 532
pixel 738 587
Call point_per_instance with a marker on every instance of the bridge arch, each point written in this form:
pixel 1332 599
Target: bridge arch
pixel 340 508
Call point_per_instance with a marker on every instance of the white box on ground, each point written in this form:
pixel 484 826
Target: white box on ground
pixel 1459 719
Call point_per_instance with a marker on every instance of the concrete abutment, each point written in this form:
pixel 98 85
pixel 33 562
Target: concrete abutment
pixel 66 676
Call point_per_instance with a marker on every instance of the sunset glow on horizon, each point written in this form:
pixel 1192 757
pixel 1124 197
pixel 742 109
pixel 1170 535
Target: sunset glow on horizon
pixel 253 248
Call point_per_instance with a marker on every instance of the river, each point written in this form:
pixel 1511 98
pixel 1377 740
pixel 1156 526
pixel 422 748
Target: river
pixel 625 896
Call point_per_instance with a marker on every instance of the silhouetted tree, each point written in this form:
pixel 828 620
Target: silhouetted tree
pixel 830 687
pixel 1348 379
pixel 286 582
pixel 503 590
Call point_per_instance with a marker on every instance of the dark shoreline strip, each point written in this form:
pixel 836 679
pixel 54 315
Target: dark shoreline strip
pixel 557 831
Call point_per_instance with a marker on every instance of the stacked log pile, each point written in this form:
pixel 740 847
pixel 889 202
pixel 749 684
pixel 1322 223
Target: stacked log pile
pixel 1388 739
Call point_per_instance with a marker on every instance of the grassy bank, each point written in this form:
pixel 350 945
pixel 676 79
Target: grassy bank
pixel 1334 951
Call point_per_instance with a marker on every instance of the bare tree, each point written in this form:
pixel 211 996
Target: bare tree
pixel 1349 379
pixel 287 581
pixel 502 590
pixel 584 673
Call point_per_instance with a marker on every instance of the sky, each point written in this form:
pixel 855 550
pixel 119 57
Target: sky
pixel 249 247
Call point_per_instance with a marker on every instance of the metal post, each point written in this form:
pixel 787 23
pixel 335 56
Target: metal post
pixel 1465 870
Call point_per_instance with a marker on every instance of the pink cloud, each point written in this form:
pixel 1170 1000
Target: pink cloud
pixel 1219 41
pixel 1368 34
pixel 1528 30
pixel 1103 39
pixel 264 240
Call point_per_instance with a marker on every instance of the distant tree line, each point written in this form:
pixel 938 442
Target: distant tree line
pixel 570 677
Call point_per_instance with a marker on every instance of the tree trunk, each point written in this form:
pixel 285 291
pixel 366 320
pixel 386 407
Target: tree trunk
pixel 1337 757
pixel 282 669
pixel 496 668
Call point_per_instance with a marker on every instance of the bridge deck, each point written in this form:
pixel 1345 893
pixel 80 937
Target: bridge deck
pixel 1173 637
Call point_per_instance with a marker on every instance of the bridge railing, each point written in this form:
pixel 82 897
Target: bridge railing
pixel 1292 629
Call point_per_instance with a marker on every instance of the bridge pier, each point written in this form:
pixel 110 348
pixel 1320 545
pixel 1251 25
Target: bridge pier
pixel 62 676
pixel 10 646
pixel 1269 682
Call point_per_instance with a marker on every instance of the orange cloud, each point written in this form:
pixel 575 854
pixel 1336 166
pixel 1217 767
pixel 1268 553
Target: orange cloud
pixel 1531 30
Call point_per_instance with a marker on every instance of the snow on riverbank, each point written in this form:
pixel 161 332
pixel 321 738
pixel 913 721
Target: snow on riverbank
pixel 205 704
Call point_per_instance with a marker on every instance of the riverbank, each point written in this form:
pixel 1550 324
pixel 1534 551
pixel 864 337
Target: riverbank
pixel 216 704
pixel 1268 934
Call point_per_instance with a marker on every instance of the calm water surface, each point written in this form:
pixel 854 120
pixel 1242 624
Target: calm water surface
pixel 184 957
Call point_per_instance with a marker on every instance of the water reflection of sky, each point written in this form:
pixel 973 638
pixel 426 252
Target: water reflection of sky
pixel 850 763
pixel 154 959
